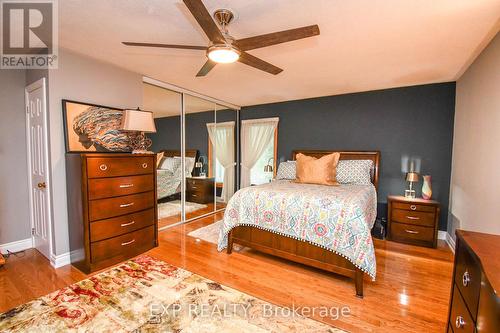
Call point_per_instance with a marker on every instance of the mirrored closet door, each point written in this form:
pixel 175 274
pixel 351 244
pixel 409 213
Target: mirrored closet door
pixel 166 106
pixel 196 142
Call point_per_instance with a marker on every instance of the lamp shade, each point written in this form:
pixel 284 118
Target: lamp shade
pixel 138 120
pixel 412 177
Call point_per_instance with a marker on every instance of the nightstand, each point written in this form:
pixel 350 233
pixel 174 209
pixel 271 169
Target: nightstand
pixel 413 221
pixel 200 190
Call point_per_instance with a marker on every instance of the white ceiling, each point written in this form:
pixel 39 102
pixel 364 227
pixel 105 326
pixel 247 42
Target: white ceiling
pixel 167 103
pixel 363 45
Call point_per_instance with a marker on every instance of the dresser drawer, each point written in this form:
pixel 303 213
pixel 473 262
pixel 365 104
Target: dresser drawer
pixel 413 217
pixel 112 187
pixel 413 207
pixel 98 167
pixel 460 318
pixel 468 278
pixel 117 226
pixel 111 207
pixel 125 245
pixel 413 234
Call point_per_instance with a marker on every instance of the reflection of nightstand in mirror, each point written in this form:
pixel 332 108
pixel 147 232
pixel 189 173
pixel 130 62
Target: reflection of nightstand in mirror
pixel 200 190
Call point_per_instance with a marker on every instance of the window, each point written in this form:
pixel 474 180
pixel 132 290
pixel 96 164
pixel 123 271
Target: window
pixel 257 174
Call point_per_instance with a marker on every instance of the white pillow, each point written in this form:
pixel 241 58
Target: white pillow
pixel 189 164
pixel 170 163
pixel 356 172
pixel 287 170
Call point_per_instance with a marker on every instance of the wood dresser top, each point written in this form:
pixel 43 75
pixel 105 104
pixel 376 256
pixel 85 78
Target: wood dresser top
pixel 487 249
pixel 414 200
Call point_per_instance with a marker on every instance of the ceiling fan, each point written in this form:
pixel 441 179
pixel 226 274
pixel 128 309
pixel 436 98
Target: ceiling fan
pixel 224 48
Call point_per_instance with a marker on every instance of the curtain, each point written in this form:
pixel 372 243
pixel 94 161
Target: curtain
pixel 222 139
pixel 256 134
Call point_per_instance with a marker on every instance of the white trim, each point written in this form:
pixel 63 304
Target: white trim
pixel 16 246
pixel 60 260
pixel 447 238
pixel 260 120
pixel 41 83
pixel 189 92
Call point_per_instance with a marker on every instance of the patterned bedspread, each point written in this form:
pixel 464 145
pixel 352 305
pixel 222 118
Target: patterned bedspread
pixel 337 218
pixel 168 182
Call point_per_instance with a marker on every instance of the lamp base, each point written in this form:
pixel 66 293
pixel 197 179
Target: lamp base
pixel 410 194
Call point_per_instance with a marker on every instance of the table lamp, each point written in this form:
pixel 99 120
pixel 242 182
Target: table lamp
pixel 142 122
pixel 411 177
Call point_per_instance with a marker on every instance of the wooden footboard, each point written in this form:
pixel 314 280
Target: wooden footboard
pixel 295 250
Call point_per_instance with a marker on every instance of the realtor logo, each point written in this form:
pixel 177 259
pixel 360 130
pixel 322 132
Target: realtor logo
pixel 29 34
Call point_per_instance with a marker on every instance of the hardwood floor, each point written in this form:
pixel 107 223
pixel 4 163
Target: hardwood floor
pixel 164 222
pixel 410 294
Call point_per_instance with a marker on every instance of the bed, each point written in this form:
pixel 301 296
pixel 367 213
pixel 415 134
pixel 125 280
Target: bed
pixel 327 227
pixel 169 181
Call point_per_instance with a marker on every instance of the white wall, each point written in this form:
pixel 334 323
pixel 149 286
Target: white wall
pixel 475 181
pixel 86 80
pixel 14 217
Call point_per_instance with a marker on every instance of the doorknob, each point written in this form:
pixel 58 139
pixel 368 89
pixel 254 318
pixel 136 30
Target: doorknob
pixel 42 185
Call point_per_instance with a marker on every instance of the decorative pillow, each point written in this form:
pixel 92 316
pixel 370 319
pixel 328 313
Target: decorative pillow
pixel 159 158
pixel 170 164
pixel 322 171
pixel 287 170
pixel 354 172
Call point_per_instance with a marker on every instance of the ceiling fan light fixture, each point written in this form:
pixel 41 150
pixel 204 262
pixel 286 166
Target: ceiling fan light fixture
pixel 224 54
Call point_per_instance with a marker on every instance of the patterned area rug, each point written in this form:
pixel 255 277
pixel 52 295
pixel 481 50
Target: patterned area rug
pixel 172 208
pixel 148 295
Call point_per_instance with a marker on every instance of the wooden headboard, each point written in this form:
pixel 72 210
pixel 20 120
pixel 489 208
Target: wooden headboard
pixel 348 155
pixel 173 153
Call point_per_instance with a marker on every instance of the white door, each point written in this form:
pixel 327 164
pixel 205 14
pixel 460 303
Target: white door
pixel 38 166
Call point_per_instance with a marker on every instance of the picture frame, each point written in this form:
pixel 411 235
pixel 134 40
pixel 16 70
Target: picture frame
pixel 94 128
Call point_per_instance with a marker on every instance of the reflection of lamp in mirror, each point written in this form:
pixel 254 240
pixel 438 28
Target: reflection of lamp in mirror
pixel 269 166
pixel 411 177
pixel 199 165
pixel 142 122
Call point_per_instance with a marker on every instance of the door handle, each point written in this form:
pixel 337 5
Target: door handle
pixel 41 185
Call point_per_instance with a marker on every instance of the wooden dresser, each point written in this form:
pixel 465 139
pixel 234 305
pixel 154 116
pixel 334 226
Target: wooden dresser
pixel 413 221
pixel 475 299
pixel 112 209
pixel 200 190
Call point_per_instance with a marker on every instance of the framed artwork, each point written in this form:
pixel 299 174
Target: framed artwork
pixel 94 128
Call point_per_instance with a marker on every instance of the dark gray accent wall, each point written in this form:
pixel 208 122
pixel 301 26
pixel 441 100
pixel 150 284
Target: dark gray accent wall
pixel 415 121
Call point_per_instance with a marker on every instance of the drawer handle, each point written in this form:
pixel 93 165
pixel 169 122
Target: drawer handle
pixel 194 187
pixel 194 195
pixel 413 207
pixel 126 185
pixel 126 205
pixel 413 218
pixel 411 231
pixel 459 322
pixel 128 243
pixel 127 224
pixel 144 165
pixel 466 279
pixel 103 167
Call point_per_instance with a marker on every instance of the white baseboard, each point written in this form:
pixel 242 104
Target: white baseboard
pixel 60 260
pixel 16 246
pixel 448 239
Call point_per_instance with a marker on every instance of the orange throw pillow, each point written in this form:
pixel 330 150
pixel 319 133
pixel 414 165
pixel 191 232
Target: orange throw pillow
pixel 322 171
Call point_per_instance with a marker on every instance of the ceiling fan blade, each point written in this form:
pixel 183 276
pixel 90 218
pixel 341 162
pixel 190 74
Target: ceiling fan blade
pixel 207 67
pixel 250 60
pixel 274 38
pixel 200 13
pixel 167 46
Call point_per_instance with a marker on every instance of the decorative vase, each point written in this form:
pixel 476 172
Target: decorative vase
pixel 427 188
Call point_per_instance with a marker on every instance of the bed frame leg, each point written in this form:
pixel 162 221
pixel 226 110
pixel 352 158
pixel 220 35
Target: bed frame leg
pixel 358 281
pixel 229 243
